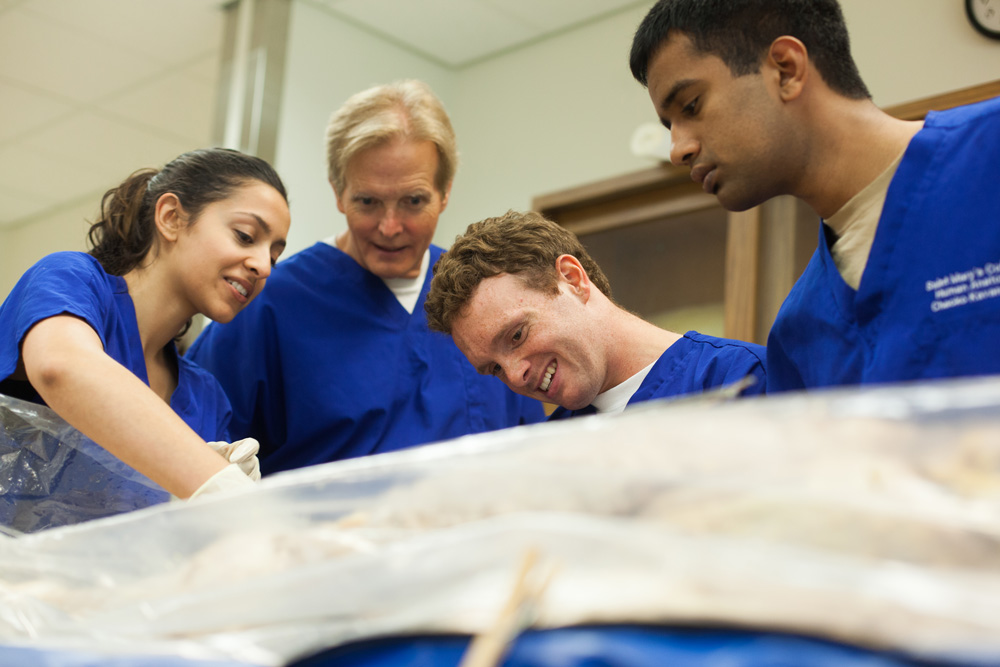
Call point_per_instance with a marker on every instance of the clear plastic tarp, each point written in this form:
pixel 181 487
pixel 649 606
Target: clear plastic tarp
pixel 866 516
pixel 52 475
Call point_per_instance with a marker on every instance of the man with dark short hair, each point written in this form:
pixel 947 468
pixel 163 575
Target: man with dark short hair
pixel 762 98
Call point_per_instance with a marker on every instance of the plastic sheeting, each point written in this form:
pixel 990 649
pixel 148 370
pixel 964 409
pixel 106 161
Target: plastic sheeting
pixel 52 475
pixel 870 517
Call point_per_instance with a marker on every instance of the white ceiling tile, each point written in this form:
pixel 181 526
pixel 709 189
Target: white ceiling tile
pixel 62 137
pixel 22 111
pixel 458 32
pixel 46 177
pixel 453 31
pixel 554 15
pixel 165 31
pixel 109 150
pixel 204 69
pixel 39 53
pixel 91 90
pixel 17 206
pixel 176 105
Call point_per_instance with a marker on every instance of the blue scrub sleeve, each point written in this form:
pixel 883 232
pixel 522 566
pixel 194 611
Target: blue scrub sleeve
pixel 61 283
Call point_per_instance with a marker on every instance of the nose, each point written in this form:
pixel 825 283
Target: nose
pixel 259 262
pixel 391 223
pixel 683 147
pixel 518 373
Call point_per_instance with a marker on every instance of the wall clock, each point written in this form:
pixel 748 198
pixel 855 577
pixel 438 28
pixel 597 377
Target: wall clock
pixel 984 16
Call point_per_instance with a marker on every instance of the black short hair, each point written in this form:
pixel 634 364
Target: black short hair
pixel 740 32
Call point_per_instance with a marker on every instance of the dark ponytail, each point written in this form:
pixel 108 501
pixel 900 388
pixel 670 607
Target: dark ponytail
pixel 124 233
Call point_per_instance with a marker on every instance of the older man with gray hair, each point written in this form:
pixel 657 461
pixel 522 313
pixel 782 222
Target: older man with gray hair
pixel 339 361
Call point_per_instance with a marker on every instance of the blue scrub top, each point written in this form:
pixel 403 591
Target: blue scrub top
pixel 693 364
pixel 326 365
pixel 58 477
pixel 74 283
pixel 928 305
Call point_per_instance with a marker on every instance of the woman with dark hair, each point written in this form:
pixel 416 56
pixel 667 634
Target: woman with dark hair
pixel 92 335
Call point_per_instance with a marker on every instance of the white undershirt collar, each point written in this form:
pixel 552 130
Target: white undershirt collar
pixel 615 399
pixel 407 290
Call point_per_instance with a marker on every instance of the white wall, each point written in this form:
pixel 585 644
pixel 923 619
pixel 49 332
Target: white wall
pixel 560 113
pixel 910 49
pixel 327 62
pixel 22 246
pixel 552 115
pixel 548 116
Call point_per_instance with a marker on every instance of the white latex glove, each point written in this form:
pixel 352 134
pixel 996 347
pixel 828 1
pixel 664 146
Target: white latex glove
pixel 243 453
pixel 228 479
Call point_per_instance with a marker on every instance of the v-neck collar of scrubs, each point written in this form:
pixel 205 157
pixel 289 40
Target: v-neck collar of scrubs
pixel 180 401
pixel 861 305
pixel 347 275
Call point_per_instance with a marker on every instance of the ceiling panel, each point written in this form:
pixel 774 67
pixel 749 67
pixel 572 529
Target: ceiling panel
pixel 42 178
pixel 204 69
pixel 173 105
pixel 459 32
pixel 16 205
pixel 552 15
pixel 22 111
pixel 450 31
pixel 41 54
pixel 105 145
pixel 162 31
pixel 93 89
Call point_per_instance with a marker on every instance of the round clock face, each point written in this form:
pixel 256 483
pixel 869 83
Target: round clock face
pixel 985 16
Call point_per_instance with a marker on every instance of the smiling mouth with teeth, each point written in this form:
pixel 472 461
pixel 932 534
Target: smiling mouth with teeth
pixel 239 288
pixel 549 372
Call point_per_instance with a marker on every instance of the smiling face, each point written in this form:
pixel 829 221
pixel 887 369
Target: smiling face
pixel 731 131
pixel 541 345
pixel 223 258
pixel 392 207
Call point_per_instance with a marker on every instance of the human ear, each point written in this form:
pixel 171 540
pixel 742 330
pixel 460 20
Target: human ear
pixel 571 272
pixel 340 203
pixel 169 216
pixel 789 59
pixel 445 196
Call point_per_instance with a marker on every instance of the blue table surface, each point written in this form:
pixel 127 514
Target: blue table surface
pixel 597 646
pixel 631 646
